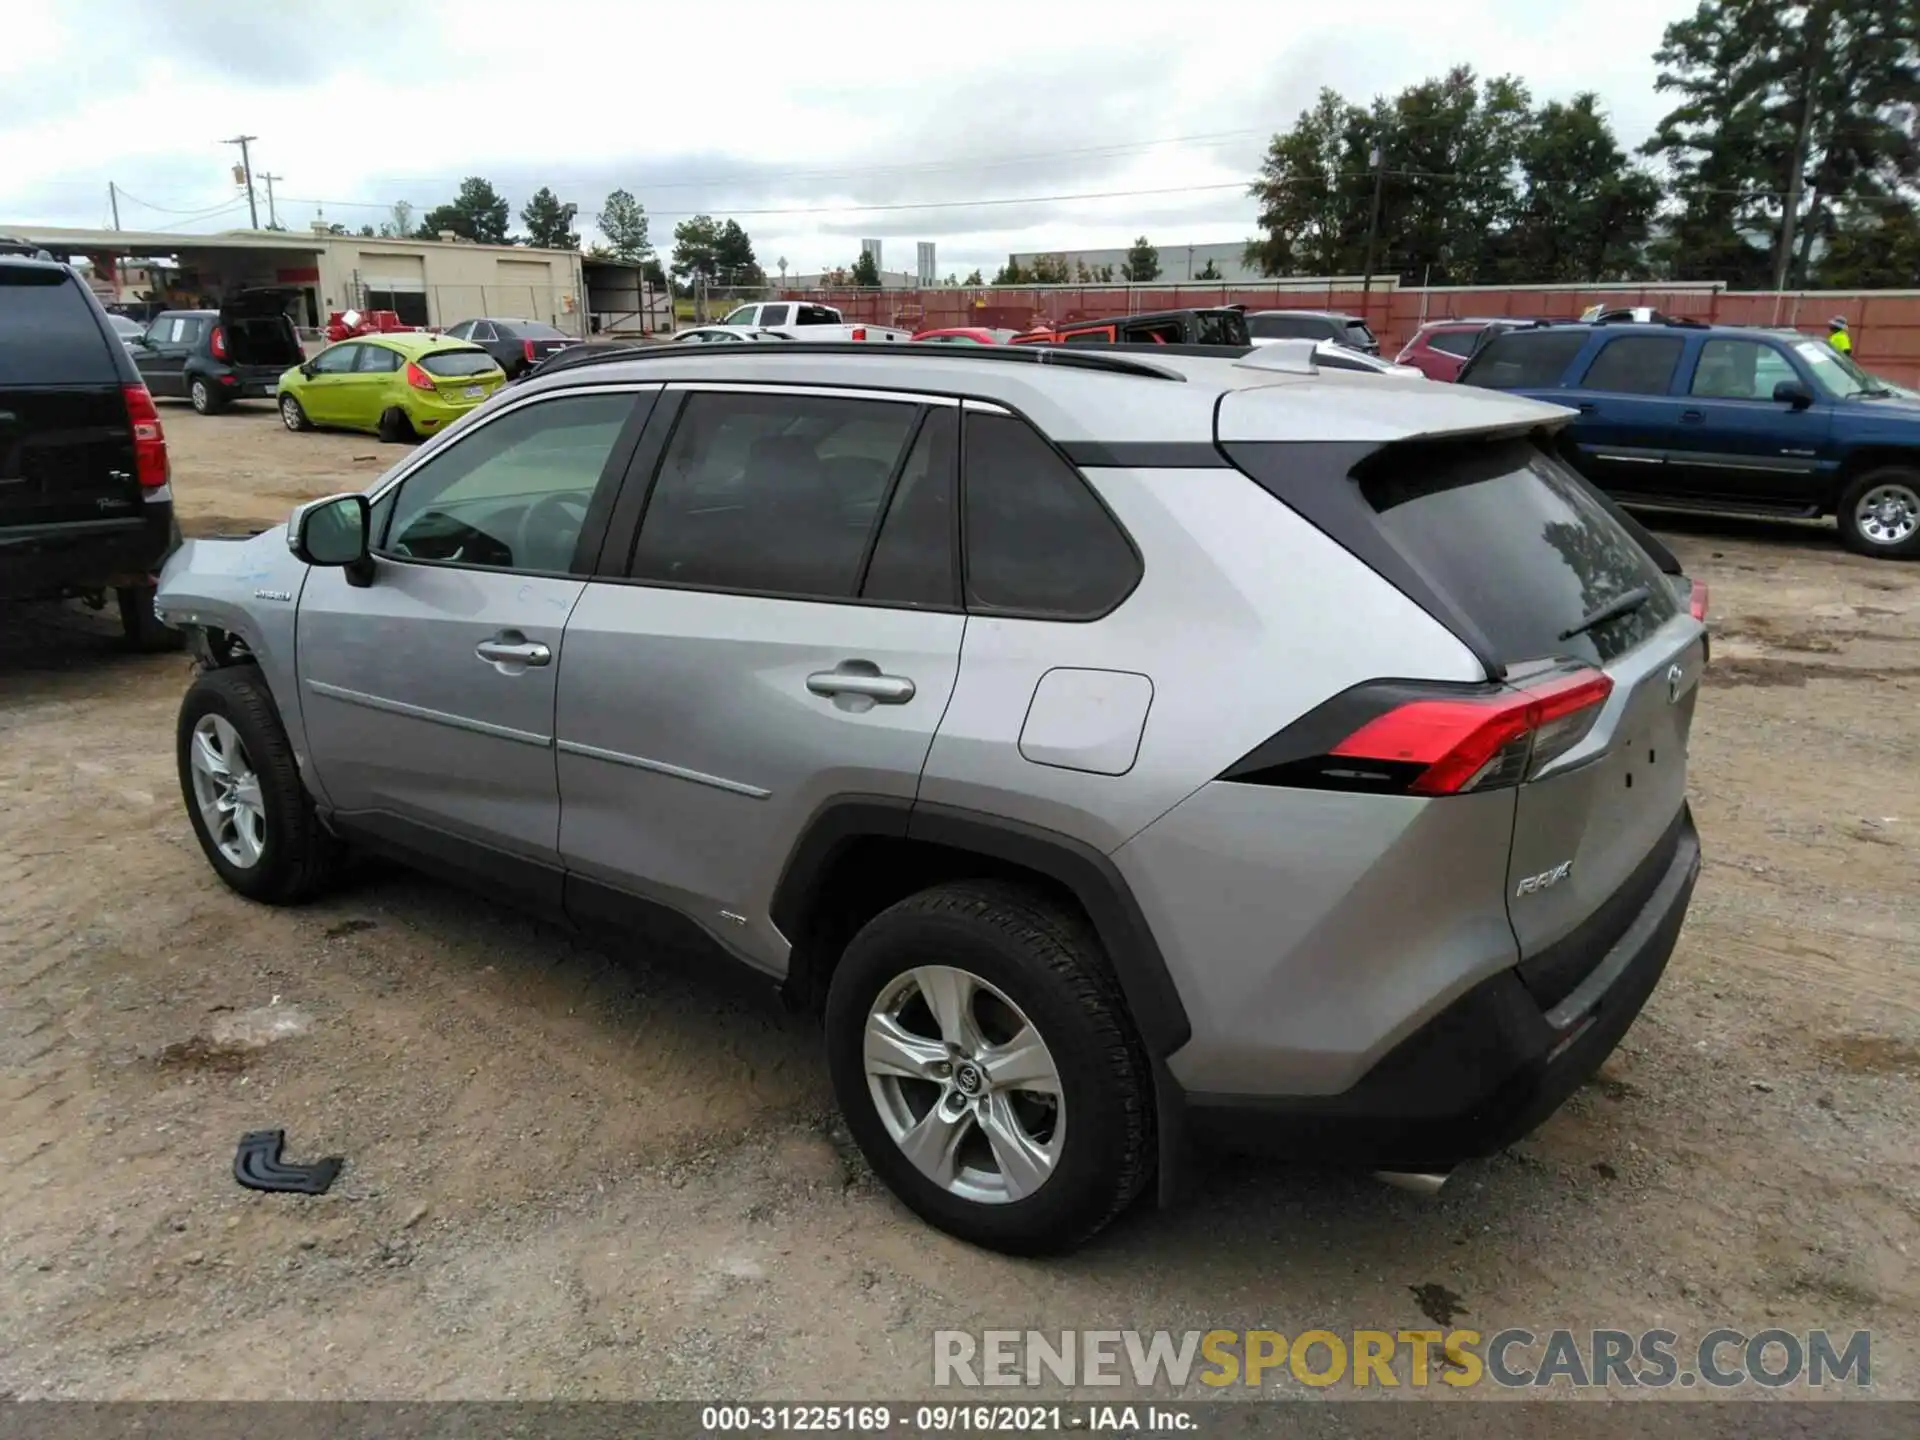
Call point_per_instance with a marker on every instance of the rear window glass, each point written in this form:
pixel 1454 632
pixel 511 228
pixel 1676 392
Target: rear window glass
pixel 1525 361
pixel 1359 334
pixel 1453 342
pixel 1518 544
pixel 455 363
pixel 817 315
pixel 535 330
pixel 1289 327
pixel 1635 365
pixel 48 335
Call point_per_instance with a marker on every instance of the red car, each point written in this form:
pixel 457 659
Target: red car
pixel 966 335
pixel 1440 349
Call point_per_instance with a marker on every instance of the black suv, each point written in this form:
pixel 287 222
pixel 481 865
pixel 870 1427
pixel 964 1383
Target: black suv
pixel 84 501
pixel 214 357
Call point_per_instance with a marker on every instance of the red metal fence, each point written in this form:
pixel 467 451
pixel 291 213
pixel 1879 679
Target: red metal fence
pixel 1885 323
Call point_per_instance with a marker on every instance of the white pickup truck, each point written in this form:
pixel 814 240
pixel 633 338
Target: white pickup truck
pixel 799 320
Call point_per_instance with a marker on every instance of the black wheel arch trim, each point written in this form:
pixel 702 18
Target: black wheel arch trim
pixel 1089 876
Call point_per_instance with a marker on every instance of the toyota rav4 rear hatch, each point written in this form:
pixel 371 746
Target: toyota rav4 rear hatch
pixel 1592 655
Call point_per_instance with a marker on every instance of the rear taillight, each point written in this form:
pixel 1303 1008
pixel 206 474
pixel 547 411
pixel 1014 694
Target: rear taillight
pixel 859 332
pixel 149 440
pixel 217 342
pixel 418 378
pixel 1697 603
pixel 1407 739
pixel 526 348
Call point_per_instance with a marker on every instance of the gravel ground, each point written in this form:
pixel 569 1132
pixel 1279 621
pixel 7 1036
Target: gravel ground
pixel 581 1174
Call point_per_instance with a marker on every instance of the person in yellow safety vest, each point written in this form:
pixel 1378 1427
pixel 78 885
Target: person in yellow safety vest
pixel 1837 335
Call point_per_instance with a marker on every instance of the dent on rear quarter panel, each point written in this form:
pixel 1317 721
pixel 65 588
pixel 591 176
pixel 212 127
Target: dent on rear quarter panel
pixel 1245 617
pixel 1310 931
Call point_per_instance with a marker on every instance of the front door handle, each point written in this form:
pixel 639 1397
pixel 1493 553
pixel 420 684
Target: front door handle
pixel 503 651
pixel 881 689
pixel 1692 417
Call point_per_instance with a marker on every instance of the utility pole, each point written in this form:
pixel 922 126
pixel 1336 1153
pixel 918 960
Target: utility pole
pixel 113 200
pixel 273 216
pixel 1379 159
pixel 246 169
pixel 1817 26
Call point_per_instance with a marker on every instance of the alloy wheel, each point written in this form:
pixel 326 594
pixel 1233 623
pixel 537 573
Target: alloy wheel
pixel 227 791
pixel 965 1084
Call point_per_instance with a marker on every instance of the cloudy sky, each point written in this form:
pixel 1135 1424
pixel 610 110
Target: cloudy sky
pixel 985 127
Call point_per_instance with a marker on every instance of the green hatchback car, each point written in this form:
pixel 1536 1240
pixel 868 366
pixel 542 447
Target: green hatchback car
pixel 400 387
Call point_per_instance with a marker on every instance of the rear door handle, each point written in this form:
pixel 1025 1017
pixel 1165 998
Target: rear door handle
pixel 882 689
pixel 1587 407
pixel 1692 417
pixel 502 651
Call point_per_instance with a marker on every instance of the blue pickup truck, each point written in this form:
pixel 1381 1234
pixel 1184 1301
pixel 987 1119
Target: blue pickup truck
pixel 1682 415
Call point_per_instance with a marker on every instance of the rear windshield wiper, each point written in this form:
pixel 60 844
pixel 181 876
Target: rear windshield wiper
pixel 1625 603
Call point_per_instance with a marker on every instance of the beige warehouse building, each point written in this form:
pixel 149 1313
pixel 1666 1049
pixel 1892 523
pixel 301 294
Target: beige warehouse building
pixel 427 282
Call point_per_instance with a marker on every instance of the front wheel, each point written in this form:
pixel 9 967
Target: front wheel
pixel 292 416
pixel 250 812
pixel 1879 514
pixel 984 1060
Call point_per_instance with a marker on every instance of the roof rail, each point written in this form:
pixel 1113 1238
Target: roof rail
pixel 1102 358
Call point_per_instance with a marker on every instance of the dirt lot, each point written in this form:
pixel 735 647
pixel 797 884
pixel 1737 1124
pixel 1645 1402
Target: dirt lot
pixel 579 1174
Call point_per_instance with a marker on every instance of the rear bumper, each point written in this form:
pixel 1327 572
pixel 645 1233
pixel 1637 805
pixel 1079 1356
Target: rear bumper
pixel 45 562
pixel 1483 1072
pixel 242 382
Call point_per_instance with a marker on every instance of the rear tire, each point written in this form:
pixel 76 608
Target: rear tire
pixel 1080 1137
pixel 292 416
pixel 395 428
pixel 237 766
pixel 141 628
pixel 203 398
pixel 1879 514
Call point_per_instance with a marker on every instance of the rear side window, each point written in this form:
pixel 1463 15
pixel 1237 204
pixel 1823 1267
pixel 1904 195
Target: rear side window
pixel 771 493
pixel 48 334
pixel 914 558
pixel 1452 342
pixel 1358 334
pixel 1038 542
pixel 378 360
pixel 1525 361
pixel 773 314
pixel 452 364
pixel 1517 544
pixel 1221 327
pixel 1635 365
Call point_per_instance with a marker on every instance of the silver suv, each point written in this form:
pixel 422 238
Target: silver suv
pixel 1116 751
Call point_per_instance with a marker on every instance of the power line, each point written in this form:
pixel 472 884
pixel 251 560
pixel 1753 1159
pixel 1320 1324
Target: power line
pixel 876 209
pixel 933 167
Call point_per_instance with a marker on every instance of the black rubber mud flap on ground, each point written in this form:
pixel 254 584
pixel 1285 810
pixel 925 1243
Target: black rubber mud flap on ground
pixel 258 1166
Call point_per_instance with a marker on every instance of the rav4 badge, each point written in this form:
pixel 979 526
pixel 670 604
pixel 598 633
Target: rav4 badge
pixel 1534 883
